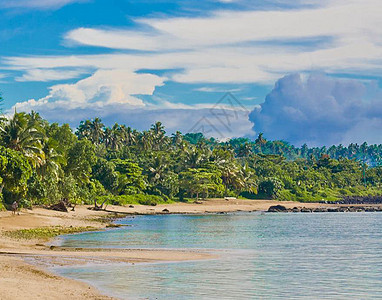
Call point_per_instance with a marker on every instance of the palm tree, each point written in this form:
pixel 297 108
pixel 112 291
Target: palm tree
pixel 260 141
pixel 194 158
pixel 129 136
pixel 157 169
pixel 244 150
pixel 146 140
pixel 158 134
pixel 96 131
pixel 112 137
pixel 17 134
pixel 51 163
pixel 177 138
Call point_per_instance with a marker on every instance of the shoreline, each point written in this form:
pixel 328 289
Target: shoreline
pixel 43 284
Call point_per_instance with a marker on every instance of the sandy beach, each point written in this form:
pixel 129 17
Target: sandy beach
pixel 22 280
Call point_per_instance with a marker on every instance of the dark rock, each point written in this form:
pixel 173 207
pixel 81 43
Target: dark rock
pixel 277 208
pixel 59 207
pixel 306 210
pixel 131 206
pixel 336 209
pixel 320 209
pixel 165 210
pixel 370 209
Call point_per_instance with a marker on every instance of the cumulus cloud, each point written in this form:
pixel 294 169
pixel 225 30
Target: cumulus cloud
pixel 104 87
pixel 320 110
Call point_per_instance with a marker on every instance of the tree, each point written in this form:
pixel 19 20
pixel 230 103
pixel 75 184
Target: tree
pixel 15 171
pixel 19 135
pixel 131 180
pixel 81 158
pixel 198 181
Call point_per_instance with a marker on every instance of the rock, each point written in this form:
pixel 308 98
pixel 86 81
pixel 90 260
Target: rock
pixel 370 209
pixel 59 207
pixel 320 209
pixel 306 210
pixel 277 208
pixel 296 209
pixel 131 206
pixel 165 210
pixel 336 209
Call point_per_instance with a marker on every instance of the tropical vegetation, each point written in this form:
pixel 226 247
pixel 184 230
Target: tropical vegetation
pixel 43 163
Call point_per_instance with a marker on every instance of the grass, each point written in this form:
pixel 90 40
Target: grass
pixel 109 218
pixel 45 233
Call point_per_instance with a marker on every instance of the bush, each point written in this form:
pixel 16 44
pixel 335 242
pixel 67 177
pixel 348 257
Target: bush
pixel 271 187
pixel 286 195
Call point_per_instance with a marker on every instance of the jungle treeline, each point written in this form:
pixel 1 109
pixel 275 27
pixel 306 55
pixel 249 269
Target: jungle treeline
pixel 42 163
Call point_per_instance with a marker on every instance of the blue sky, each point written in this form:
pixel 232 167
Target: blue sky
pixel 136 62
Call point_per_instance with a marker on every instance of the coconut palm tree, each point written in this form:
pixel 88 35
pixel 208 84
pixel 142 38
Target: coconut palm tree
pixel 52 162
pixel 96 131
pixel 112 137
pixel 260 141
pixel 146 140
pixel 17 134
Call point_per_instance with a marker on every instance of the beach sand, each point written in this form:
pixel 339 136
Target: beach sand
pixel 22 280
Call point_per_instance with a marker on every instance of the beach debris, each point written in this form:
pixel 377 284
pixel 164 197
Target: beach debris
pixel 60 206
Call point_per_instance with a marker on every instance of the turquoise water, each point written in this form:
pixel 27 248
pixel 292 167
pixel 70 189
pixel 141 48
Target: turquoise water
pixel 262 256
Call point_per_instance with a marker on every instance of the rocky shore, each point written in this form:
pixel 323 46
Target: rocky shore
pixel 281 208
pixel 357 200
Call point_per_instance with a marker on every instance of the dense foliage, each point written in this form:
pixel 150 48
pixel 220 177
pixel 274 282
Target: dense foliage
pixel 43 163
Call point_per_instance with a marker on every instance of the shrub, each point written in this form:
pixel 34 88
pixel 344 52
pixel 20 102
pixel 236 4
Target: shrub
pixel 271 187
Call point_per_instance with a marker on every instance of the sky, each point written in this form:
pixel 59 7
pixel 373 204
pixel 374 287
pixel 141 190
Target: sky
pixel 304 71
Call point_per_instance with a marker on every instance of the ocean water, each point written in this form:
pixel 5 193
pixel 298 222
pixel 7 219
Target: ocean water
pixel 261 256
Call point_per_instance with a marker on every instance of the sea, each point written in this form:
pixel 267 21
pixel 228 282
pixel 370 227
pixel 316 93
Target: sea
pixel 258 256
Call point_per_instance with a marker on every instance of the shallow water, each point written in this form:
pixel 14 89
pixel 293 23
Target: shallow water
pixel 262 256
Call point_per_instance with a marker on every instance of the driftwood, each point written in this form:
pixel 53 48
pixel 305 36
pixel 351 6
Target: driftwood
pixel 99 207
pixel 60 206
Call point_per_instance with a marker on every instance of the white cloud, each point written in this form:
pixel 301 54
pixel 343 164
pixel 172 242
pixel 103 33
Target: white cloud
pixel 104 87
pixel 350 31
pixel 49 75
pixel 225 47
pixel 39 4
pixel 207 89
pixel 339 19
pixel 321 110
